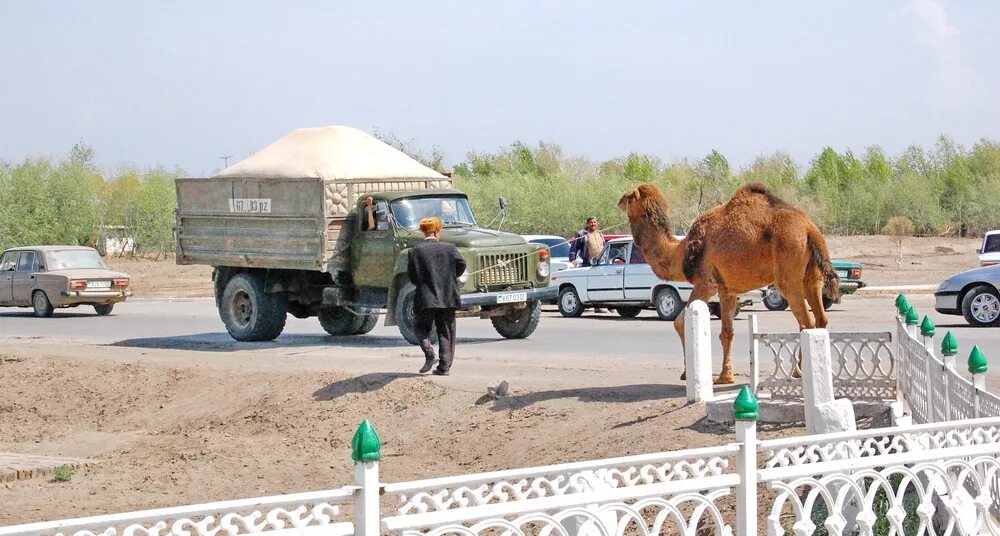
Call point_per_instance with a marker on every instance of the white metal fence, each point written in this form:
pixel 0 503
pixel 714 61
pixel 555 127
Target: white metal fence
pixel 864 368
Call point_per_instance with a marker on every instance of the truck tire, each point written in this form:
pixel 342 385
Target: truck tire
pixel 340 321
pixel 828 303
pixel 249 312
pixel 518 323
pixel 405 314
pixel 570 305
pixel 716 310
pixel 773 300
pixel 368 323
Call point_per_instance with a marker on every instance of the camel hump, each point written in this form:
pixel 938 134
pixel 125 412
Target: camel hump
pixel 758 188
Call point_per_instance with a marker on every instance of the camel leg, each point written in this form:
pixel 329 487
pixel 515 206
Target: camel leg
pixel 814 295
pixel 797 303
pixel 700 292
pixel 727 308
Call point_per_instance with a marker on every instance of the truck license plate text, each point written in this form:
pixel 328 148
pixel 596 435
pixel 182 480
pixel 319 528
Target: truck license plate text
pixel 513 297
pixel 257 206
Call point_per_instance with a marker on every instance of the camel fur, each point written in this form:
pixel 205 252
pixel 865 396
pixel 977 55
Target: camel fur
pixel 751 241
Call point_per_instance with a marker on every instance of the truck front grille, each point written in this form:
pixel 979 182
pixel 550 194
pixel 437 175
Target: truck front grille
pixel 503 269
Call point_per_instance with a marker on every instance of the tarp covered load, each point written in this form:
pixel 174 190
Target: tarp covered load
pixel 333 153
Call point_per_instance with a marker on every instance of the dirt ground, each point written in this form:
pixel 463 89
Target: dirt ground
pixel 171 427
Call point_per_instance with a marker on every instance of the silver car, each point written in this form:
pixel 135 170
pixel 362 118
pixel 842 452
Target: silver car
pixel 972 294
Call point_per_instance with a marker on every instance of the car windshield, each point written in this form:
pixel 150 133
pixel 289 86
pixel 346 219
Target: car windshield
pixel 452 211
pixel 74 258
pixel 992 244
pixel 557 246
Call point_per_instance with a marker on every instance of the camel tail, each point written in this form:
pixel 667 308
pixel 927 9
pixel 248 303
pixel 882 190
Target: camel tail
pixel 821 258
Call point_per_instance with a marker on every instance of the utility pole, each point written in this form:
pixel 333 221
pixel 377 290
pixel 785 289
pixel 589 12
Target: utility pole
pixel 225 159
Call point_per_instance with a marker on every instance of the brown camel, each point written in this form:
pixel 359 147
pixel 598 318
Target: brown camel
pixel 751 241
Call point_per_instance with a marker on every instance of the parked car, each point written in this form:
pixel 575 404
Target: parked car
pixel 850 281
pixel 558 250
pixel 50 277
pixel 989 253
pixel 622 280
pixel 972 294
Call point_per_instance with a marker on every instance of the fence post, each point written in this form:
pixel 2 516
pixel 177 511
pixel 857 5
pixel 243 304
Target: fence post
pixel 745 414
pixel 366 451
pixel 754 355
pixel 698 352
pixel 977 367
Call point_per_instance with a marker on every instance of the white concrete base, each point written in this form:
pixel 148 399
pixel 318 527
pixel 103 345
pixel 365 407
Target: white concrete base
pixel 784 411
pixel 832 417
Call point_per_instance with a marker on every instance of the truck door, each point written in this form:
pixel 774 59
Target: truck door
pixel 606 280
pixel 8 263
pixel 639 278
pixel 24 278
pixel 373 250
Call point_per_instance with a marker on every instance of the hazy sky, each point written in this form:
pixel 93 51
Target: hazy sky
pixel 182 83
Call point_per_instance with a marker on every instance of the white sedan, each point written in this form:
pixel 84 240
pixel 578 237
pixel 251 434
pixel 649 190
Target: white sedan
pixel 624 281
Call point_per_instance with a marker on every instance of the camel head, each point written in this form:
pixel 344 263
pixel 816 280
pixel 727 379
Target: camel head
pixel 646 204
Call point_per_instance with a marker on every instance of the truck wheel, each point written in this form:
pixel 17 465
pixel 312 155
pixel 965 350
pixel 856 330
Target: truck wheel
pixel 981 307
pixel 368 323
pixel 249 313
pixel 828 303
pixel 339 321
pixel 42 305
pixel 716 310
pixel 518 323
pixel 668 304
pixel 103 309
pixel 774 301
pixel 569 303
pixel 405 315
pixel 628 312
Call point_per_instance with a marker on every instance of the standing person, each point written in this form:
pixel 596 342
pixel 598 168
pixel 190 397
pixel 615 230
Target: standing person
pixel 588 244
pixel 434 267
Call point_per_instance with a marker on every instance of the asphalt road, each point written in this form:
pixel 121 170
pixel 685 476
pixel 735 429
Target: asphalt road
pixel 195 325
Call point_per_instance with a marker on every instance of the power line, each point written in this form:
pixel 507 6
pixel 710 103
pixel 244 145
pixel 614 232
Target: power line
pixel 225 159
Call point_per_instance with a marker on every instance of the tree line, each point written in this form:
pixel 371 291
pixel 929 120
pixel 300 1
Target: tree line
pixel 68 201
pixel 945 189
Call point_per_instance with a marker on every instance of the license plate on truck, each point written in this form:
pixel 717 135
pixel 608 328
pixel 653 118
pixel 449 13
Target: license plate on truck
pixel 512 297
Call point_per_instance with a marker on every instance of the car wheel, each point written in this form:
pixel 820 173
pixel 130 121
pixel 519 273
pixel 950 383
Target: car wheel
pixel 981 306
pixel 668 304
pixel 569 303
pixel 340 321
pixel 250 313
pixel 518 323
pixel 628 312
pixel 715 309
pixel 43 307
pixel 104 309
pixel 406 315
pixel 773 300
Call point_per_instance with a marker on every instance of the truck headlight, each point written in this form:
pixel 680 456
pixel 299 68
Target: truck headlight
pixel 543 269
pixel 464 277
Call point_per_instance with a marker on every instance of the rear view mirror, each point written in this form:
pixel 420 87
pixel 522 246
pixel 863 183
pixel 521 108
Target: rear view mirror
pixel 979 250
pixel 595 261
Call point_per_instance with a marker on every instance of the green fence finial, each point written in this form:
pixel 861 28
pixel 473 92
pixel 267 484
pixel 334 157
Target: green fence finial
pixel 949 346
pixel 902 304
pixel 927 327
pixel 745 406
pixel 366 445
pixel 911 316
pixel 977 361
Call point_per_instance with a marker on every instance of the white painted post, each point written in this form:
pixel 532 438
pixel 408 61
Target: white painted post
pixel 366 450
pixel 824 414
pixel 754 355
pixel 745 415
pixel 698 352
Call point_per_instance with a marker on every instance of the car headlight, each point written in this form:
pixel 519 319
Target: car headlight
pixel 543 269
pixel 464 277
pixel 944 284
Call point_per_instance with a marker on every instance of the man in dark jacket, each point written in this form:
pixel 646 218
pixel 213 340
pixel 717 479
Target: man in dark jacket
pixel 434 267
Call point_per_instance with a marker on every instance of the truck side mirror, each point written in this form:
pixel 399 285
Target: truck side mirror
pixel 504 203
pixel 595 261
pixel 979 250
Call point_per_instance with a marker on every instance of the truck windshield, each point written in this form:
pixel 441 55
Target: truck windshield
pixel 451 210
pixel 74 258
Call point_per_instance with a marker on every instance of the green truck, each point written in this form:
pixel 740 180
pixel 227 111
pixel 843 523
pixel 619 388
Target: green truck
pixel 850 281
pixel 320 224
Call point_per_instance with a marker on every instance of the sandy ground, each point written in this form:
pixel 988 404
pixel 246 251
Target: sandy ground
pixel 170 427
